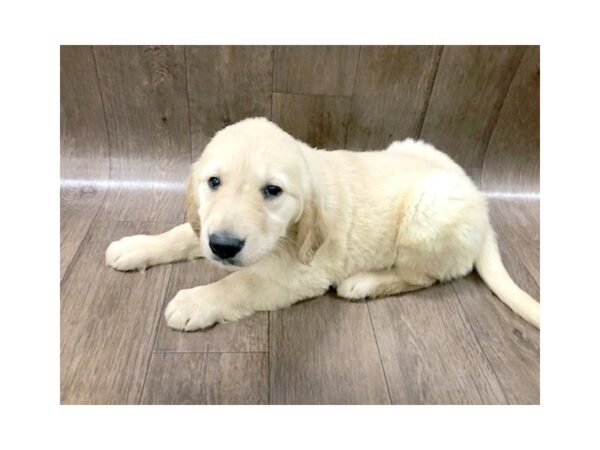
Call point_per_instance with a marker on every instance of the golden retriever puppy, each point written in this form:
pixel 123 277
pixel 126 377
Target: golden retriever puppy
pixel 291 221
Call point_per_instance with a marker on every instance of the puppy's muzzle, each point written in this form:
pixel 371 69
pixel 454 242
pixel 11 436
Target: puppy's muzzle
pixel 225 245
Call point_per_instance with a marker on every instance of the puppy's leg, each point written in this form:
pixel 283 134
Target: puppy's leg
pixel 236 296
pixel 141 251
pixel 376 284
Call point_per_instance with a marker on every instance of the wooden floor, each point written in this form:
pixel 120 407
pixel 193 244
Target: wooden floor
pixel 451 344
pixel 133 118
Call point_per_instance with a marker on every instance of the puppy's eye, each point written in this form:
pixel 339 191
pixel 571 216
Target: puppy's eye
pixel 214 182
pixel 272 191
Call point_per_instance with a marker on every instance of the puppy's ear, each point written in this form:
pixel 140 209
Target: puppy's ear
pixel 311 231
pixel 191 204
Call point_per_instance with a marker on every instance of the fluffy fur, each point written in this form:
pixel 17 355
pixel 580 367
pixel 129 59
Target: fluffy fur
pixel 369 223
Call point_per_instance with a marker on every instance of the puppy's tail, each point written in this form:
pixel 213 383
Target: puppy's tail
pixel 490 268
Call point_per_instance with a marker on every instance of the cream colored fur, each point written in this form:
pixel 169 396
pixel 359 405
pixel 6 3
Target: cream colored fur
pixel 371 223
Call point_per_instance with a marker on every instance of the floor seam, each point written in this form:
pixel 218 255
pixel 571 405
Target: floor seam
pixel 74 258
pixel 297 94
pixel 210 351
pixel 497 230
pixel 108 142
pixel 269 356
pixel 387 386
pixel 155 337
pixel 468 323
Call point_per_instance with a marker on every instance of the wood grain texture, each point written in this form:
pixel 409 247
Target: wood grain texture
pixel 84 162
pixel 108 321
pixel 226 84
pixel 430 355
pixel 511 345
pixel 512 161
pixel 393 85
pixel 83 133
pixel 470 86
pixel 323 351
pixel 320 121
pixel 145 97
pixel 147 111
pixel 317 70
pixel 249 335
pixel 518 221
pixel 207 379
pixel 74 225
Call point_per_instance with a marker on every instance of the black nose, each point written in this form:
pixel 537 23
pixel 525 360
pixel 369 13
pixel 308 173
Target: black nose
pixel 225 245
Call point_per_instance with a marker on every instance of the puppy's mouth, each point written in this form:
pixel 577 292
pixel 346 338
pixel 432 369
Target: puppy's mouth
pixel 227 262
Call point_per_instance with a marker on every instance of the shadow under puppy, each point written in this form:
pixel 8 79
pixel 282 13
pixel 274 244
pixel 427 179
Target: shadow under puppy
pixel 290 221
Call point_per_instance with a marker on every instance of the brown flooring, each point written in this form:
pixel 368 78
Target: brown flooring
pixel 451 344
pixel 131 113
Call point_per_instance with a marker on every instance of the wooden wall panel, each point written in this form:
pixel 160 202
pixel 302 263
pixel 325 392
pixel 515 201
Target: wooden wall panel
pixel 83 133
pixel 469 89
pixel 145 97
pixel 84 163
pixel 391 93
pixel 320 121
pixel 317 70
pixel 512 161
pixel 226 84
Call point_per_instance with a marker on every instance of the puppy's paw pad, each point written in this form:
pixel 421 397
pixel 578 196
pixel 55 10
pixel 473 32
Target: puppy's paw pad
pixel 356 287
pixel 129 253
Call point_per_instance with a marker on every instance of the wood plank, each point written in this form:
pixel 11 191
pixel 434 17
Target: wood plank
pixel 108 321
pixel 320 121
pixel 83 132
pixel 155 201
pixel 515 265
pixel 207 379
pixel 145 97
pixel 393 85
pixel 323 351
pixel 248 335
pixel 512 345
pixel 226 84
pixel 317 70
pixel 84 163
pixel 74 224
pixel 458 344
pixel 518 221
pixel 512 161
pixel 430 355
pixel 470 86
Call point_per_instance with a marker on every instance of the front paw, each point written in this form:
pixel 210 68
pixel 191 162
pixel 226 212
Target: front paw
pixel 129 253
pixel 190 310
pixel 357 287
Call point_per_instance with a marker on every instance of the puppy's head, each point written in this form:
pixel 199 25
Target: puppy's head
pixel 252 191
